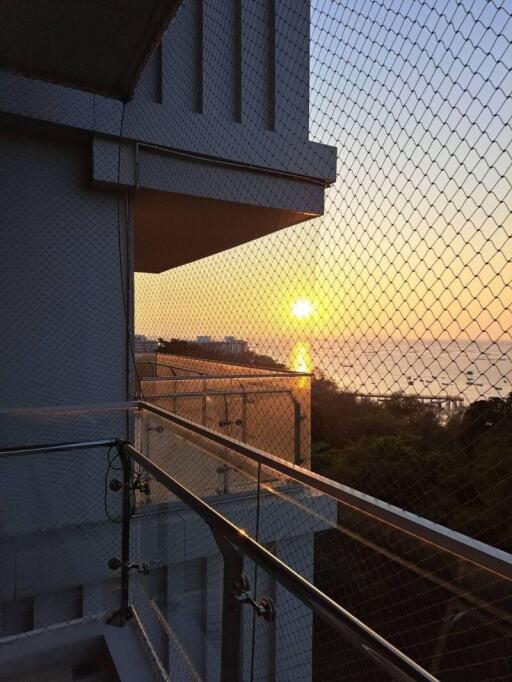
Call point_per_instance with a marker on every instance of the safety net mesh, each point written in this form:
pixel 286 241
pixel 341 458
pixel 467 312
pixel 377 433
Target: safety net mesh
pixel 295 235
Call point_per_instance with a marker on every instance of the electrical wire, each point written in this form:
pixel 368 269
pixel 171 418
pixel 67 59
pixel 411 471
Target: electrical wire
pixel 129 339
pixel 135 477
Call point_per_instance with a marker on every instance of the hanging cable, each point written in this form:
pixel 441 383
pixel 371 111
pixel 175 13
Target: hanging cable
pixel 126 312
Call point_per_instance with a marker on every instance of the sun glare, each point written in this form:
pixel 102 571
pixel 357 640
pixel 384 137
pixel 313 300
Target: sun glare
pixel 302 308
pixel 300 358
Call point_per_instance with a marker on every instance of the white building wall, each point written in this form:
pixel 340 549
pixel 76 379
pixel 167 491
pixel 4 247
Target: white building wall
pixel 225 88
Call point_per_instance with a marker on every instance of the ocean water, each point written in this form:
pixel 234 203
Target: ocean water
pixel 469 370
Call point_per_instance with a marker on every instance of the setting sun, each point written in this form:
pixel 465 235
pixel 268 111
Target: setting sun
pixel 302 308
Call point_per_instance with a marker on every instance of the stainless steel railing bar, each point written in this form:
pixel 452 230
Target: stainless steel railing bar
pixel 56 410
pixel 400 666
pixel 489 558
pixel 56 447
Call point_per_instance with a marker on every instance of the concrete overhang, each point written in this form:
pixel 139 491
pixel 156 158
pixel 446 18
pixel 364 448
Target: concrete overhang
pixel 100 46
pixel 175 229
pixel 187 207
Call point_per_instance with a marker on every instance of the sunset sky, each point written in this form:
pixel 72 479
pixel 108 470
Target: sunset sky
pixel 415 240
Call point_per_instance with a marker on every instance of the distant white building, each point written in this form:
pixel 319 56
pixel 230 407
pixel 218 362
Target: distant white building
pixel 141 344
pixel 230 345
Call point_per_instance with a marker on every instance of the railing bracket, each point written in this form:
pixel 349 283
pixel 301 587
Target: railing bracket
pixel 143 567
pixel 142 486
pixel 265 607
pixel 119 617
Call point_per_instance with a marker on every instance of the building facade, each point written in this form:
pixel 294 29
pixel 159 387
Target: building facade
pixel 94 189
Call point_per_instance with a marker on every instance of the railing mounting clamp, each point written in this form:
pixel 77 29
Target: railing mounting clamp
pixel 264 607
pixel 115 564
pixel 143 486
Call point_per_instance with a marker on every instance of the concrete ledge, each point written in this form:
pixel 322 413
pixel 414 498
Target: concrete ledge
pixel 79 641
pixel 187 208
pixel 166 126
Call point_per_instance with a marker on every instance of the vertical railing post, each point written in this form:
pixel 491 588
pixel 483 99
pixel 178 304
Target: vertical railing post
pixel 233 583
pixel 204 404
pixel 122 614
pixel 245 414
pixel 125 533
pixel 297 436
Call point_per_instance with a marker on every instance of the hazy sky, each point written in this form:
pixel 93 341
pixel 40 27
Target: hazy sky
pixel 415 241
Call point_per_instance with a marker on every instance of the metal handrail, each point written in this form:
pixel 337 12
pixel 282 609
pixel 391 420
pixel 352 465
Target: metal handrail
pixel 171 367
pixel 387 656
pixel 269 375
pixel 209 393
pixel 479 553
pixel 56 447
pixel 485 556
pixel 53 410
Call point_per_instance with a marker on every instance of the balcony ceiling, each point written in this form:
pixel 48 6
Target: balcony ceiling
pixel 96 45
pixel 173 230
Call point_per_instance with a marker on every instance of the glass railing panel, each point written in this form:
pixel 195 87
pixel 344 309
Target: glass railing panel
pixel 298 644
pixel 270 412
pixel 180 605
pixel 211 471
pixel 179 601
pixel 256 498
pixel 59 529
pixel 337 660
pixel 21 427
pixel 446 613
